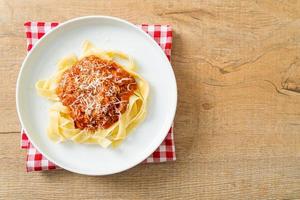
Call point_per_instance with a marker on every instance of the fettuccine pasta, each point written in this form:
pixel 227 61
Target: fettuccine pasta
pixel 96 99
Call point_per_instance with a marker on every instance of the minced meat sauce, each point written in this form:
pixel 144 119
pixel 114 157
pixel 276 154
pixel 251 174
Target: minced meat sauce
pixel 96 91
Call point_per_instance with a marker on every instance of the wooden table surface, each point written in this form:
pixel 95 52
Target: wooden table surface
pixel 237 126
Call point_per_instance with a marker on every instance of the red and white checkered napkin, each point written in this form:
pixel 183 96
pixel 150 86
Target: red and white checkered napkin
pixel 162 34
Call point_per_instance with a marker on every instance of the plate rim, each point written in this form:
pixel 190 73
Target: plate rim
pixel 157 142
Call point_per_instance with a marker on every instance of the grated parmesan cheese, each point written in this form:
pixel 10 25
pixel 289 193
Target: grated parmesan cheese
pixel 97 91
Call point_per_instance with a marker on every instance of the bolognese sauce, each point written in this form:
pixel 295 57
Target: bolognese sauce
pixel 96 91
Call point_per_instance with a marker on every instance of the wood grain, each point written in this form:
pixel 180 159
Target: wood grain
pixel 237 126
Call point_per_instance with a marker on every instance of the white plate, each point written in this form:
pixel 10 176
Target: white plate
pixel 106 33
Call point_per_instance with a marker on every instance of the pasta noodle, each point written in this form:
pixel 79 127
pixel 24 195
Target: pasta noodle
pixel 62 126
